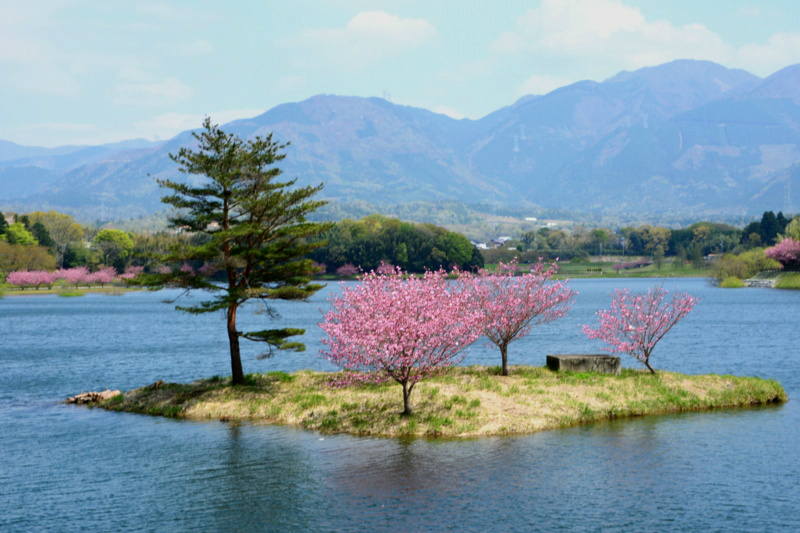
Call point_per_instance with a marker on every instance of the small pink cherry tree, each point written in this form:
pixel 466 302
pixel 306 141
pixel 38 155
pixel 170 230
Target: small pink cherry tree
pixel 512 304
pixel 636 322
pixel 130 273
pixel 347 270
pixel 103 276
pixel 75 276
pixel 21 279
pixel 403 328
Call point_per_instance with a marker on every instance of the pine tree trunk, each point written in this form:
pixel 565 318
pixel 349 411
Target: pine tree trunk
pixel 504 354
pixel 237 375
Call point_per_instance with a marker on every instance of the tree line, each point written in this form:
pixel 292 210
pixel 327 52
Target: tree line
pixel 376 240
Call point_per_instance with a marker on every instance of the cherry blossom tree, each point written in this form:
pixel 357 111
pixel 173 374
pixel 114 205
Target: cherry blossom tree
pixel 32 278
pixel 403 328
pixel 103 276
pixel 347 270
pixel 636 322
pixel 512 304
pixel 130 273
pixel 385 268
pixel 44 277
pixel 321 268
pixel 21 279
pixel 74 276
pixel 787 253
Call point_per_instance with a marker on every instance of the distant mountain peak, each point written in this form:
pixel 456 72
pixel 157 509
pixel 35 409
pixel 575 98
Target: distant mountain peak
pixel 782 84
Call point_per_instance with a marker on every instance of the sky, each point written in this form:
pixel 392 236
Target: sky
pixel 101 71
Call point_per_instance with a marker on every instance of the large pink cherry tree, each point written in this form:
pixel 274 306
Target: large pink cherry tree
pixel 786 252
pixel 399 327
pixel 636 322
pixel 514 303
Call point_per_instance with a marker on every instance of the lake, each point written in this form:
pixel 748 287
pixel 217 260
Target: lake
pixel 67 468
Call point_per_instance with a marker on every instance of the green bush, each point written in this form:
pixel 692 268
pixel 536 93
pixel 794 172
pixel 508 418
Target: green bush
pixel 731 282
pixel 70 294
pixel 743 266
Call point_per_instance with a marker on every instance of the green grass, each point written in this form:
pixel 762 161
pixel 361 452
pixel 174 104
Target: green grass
pixel 71 294
pixel 466 401
pixel 789 280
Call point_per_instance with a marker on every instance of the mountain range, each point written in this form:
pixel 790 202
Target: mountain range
pixel 684 138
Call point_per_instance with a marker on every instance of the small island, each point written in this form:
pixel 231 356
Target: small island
pixel 464 402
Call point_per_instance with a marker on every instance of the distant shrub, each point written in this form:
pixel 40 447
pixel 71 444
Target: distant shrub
pixel 348 270
pixel 731 282
pixel 631 265
pixel 742 266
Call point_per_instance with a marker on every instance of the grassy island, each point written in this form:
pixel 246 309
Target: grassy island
pixel 467 401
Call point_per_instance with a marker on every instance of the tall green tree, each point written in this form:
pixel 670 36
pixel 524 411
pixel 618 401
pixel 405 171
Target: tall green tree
pixel 115 245
pixel 258 235
pixel 62 229
pixel 3 223
pixel 17 234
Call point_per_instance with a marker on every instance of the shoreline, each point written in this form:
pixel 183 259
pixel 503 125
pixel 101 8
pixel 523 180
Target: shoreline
pixel 112 291
pixel 464 402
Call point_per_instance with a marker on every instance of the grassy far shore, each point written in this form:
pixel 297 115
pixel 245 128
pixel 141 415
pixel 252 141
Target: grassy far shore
pixel 465 402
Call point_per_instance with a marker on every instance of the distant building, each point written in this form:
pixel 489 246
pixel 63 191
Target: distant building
pixel 499 241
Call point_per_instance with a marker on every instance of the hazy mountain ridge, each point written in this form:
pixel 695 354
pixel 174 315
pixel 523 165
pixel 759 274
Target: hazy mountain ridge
pixel 684 137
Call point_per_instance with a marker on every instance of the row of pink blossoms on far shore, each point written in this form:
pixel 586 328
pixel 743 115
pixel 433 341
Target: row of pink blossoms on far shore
pixel 73 276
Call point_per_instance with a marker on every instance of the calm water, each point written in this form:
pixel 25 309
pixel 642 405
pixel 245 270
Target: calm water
pixel 67 468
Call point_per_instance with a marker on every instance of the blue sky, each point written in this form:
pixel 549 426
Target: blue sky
pixel 96 71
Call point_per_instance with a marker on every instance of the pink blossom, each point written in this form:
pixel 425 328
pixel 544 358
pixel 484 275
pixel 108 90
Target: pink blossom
pixel 131 272
pixel 103 276
pixel 208 269
pixel 787 253
pixel 43 277
pixel 385 268
pixel 320 268
pixel 636 322
pixel 20 279
pixel 514 304
pixel 400 327
pixel 633 264
pixel 75 276
pixel 347 270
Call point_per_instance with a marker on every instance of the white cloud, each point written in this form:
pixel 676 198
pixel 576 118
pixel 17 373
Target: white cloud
pixel 169 91
pixel 537 84
pixel 366 39
pixel 168 125
pixel 585 31
pixel 780 50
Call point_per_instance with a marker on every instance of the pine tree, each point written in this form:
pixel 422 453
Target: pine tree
pixel 255 229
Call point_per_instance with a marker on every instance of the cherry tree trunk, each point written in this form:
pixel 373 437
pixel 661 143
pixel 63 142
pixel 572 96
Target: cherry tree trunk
pixel 406 398
pixel 504 354
pixel 237 375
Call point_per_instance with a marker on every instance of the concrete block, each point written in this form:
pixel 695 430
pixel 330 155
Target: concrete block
pixel 584 362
